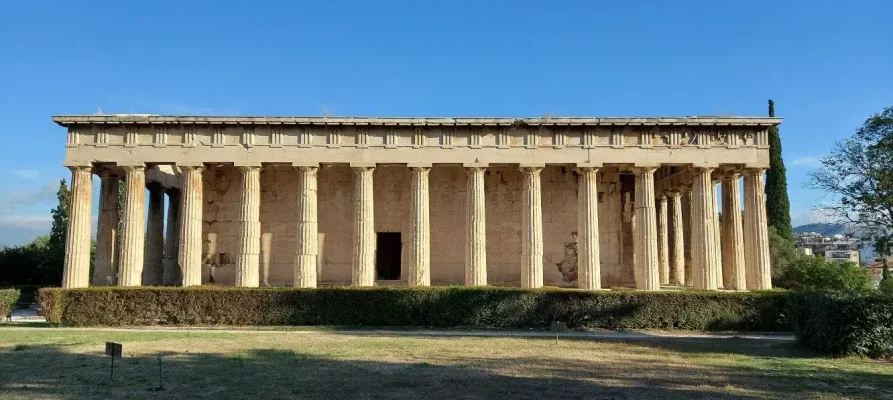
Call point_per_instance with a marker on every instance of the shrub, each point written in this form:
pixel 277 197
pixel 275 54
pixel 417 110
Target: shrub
pixel 844 324
pixel 429 307
pixel 817 275
pixel 8 299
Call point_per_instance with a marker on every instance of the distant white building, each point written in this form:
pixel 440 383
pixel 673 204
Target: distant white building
pixel 837 248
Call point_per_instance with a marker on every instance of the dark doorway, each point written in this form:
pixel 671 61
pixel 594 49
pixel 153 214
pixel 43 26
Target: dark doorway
pixel 387 256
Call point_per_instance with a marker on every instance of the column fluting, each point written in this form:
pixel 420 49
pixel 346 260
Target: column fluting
pixel 308 230
pixel 133 227
pixel 364 228
pixel 703 238
pixel 248 259
pixel 191 199
pixel 677 264
pixel 104 273
pixel 733 266
pixel 531 229
pixel 663 242
pixel 756 240
pixel 171 274
pixel 588 255
pixel 475 229
pixel 645 233
pixel 76 266
pixel 420 229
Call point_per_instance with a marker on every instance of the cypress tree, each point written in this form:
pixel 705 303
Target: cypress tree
pixel 778 207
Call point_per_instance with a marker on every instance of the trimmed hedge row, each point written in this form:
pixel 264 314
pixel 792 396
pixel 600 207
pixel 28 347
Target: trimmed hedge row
pixel 8 299
pixel 844 324
pixel 427 307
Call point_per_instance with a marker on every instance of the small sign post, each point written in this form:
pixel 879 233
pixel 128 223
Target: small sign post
pixel 558 326
pixel 113 350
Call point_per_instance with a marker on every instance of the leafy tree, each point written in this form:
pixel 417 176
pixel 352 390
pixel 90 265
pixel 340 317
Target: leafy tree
pixel 810 273
pixel 778 207
pixel 782 253
pixel 859 175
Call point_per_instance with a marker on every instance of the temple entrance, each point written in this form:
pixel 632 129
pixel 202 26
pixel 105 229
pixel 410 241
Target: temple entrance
pixel 387 256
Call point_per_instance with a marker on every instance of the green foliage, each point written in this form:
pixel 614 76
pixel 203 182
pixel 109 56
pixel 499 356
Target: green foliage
pixel 814 274
pixel 28 265
pixel 8 299
pixel 844 324
pixel 431 307
pixel 56 244
pixel 778 207
pixel 886 284
pixel 858 176
pixel 782 253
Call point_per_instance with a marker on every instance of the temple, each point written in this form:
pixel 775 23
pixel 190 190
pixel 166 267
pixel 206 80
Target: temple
pixel 587 203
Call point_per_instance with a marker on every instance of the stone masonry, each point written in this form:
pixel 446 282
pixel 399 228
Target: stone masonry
pixel 589 203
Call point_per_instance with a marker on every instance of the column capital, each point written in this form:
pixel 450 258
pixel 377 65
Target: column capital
pixel 133 168
pixel 584 169
pixel 307 169
pixel 474 169
pixel 642 170
pixel 198 168
pixel 76 168
pixel 753 171
pixel 248 168
pixel 531 168
pixel 361 165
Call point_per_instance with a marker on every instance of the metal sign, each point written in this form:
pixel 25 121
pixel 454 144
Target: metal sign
pixel 113 349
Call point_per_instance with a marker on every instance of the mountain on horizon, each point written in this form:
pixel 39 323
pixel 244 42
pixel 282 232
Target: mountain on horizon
pixel 825 229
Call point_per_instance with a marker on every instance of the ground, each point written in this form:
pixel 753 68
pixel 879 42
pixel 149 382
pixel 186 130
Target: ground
pixel 43 362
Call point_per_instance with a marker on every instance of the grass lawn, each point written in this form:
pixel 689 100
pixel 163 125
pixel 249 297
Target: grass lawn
pixel 68 363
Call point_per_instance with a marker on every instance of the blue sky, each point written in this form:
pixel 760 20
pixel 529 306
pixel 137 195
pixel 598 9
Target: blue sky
pixel 827 66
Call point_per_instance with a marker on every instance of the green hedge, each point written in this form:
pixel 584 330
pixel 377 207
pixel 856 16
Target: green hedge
pixel 844 324
pixel 8 299
pixel 427 307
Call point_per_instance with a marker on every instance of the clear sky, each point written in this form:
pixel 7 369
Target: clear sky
pixel 828 65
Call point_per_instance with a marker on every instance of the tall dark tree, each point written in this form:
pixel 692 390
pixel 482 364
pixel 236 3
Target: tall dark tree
pixel 778 207
pixel 55 256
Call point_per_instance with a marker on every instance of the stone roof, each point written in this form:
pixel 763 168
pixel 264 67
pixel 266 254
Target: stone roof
pixel 149 119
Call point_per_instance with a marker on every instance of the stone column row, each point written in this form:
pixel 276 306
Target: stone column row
pixel 744 263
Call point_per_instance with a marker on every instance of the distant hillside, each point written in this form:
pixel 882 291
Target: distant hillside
pixel 822 229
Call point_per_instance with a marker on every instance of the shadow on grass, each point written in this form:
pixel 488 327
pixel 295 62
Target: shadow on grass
pixel 30 371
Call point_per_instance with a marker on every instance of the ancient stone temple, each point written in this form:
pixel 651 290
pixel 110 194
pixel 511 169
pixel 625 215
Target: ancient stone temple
pixel 588 203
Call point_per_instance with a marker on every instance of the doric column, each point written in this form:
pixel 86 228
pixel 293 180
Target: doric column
pixel 248 259
pixel 645 231
pixel 171 274
pixel 106 231
pixel 703 238
pixel 153 265
pixel 663 242
pixel 475 229
pixel 420 229
pixel 308 229
pixel 363 228
pixel 133 227
pixel 191 199
pixel 756 240
pixel 733 265
pixel 717 241
pixel 531 229
pixel 588 257
pixel 677 264
pixel 687 235
pixel 76 267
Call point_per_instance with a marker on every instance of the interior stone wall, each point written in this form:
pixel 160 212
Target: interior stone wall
pixel 503 187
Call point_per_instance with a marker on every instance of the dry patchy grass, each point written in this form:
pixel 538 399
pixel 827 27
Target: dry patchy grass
pixel 68 363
